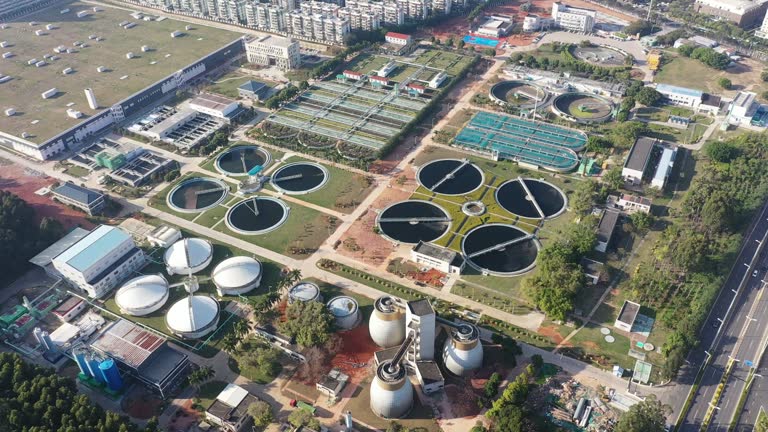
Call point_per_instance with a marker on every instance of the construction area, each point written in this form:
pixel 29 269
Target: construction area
pixel 530 143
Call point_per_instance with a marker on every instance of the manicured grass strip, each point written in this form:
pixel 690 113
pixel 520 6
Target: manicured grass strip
pixel 388 287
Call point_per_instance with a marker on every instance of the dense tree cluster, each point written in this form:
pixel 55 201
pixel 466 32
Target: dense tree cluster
pixel 34 399
pixel 706 55
pixel 684 274
pixel 309 322
pixel 644 28
pixel 669 39
pixel 287 93
pixel 646 416
pixel 649 96
pixel 508 413
pixel 568 63
pixel 20 237
pixel 560 276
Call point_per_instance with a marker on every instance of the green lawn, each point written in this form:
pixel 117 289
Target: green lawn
pixel 209 391
pixel 687 72
pixel 213 216
pixel 343 192
pixel 692 134
pixel 227 84
pixel 330 291
pixel 592 342
pixel 77 171
pixel 372 281
pixel 301 234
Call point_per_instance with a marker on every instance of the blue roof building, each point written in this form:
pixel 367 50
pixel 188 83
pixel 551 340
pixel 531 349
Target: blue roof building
pixel 100 260
pixel 87 200
pixel 681 95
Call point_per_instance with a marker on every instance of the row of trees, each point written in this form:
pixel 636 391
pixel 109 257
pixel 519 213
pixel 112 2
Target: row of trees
pixel 706 55
pixel 568 63
pixel 35 399
pixel 20 237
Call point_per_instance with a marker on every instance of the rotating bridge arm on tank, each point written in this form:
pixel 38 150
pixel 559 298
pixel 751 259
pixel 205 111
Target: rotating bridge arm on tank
pixel 288 177
pixel 207 191
pixel 255 208
pixel 500 246
pixel 415 220
pixel 531 197
pixel 450 175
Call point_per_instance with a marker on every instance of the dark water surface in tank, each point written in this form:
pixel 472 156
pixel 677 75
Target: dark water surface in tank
pixel 311 177
pixel 508 259
pixel 188 195
pixel 465 180
pixel 256 214
pixel 408 231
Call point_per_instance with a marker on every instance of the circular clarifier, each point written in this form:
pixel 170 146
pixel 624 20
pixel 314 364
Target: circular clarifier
pixel 450 176
pixel 499 249
pixel 531 198
pixel 413 221
pixel 197 194
pixel 299 178
pixel 237 161
pixel 256 215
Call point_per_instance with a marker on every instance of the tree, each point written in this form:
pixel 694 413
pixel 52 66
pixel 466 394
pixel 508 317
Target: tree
pixel 764 95
pixel 261 412
pixel 265 360
pixel 460 44
pixel 685 50
pixel 647 416
pixel 625 134
pixel 721 151
pixel 490 52
pixel 764 76
pixel 507 412
pixel 583 197
pixel 309 322
pixel 641 221
pixel 537 361
pixel 199 376
pixel 479 427
pixel 449 42
pixel 302 417
pixel 641 27
pixel 491 387
pixel 648 96
pixel 724 83
pixel 598 144
pixel 613 178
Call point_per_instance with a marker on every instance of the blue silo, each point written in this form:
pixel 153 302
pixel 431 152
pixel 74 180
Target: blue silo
pixel 93 365
pixel 82 363
pixel 111 374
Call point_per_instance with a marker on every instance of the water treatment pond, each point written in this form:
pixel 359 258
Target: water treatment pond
pixel 299 178
pixel 450 176
pixel 413 221
pixel 531 198
pixel 500 249
pixel 257 215
pixel 238 161
pixel 197 194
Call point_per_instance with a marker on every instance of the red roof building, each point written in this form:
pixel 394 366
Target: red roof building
pixel 398 38
pixel 352 74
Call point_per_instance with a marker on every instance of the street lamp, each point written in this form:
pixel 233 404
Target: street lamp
pixel 751 319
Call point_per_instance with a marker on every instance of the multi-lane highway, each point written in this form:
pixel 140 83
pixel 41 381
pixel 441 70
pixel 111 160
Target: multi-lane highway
pixel 732 332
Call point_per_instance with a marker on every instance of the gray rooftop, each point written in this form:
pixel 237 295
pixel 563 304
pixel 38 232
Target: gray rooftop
pixel 78 193
pixel 607 225
pixel 628 312
pixel 429 371
pixel 440 253
pixel 640 153
pixel 420 307
pixel 45 257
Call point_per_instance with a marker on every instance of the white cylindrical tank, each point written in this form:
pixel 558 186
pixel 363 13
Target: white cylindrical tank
pixel 387 323
pixel 304 292
pixel 193 317
pixel 91 98
pixel 391 391
pixel 236 275
pixel 463 352
pixel 188 256
pixel 142 295
pixel 345 311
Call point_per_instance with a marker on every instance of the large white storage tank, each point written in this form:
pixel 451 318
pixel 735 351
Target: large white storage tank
pixel 304 292
pixel 193 317
pixel 391 391
pixel 387 323
pixel 142 295
pixel 188 256
pixel 463 352
pixel 237 275
pixel 345 311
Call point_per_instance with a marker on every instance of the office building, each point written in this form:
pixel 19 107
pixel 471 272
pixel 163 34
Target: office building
pixel 274 50
pixel 680 95
pixel 568 18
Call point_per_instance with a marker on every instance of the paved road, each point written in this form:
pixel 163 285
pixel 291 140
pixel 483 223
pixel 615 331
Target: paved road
pixel 722 341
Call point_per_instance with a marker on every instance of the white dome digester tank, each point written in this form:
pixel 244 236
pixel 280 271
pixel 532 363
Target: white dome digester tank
pixel 391 390
pixel 387 323
pixel 142 295
pixel 463 352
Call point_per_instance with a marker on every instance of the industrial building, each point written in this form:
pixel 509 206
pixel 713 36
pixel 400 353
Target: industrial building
pixel 96 262
pixel 216 106
pixel 69 309
pixel 569 18
pixel 439 258
pixel 533 22
pixel 128 164
pixel 664 167
pixel 605 230
pixel 184 128
pixel 163 236
pixel 496 26
pixel 408 330
pixel 743 108
pixel 253 90
pixel 627 316
pixel 632 204
pixel 274 51
pixel 637 160
pixel 229 410
pixel 143 355
pixel 681 96
pixel 88 200
pixel 332 384
pixel 743 13
pixel 237 275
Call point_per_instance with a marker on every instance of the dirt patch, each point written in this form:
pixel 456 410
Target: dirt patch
pixel 24 182
pixel 590 346
pixel 356 357
pixel 184 418
pixel 141 404
pixel 550 332
pixel 463 401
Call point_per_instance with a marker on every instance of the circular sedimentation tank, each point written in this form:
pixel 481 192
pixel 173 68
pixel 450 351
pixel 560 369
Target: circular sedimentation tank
pixel 463 352
pixel 197 194
pixel 583 107
pixel 237 161
pixel 299 178
pixel 256 215
pixel 193 317
pixel 142 295
pixel 345 311
pixel 391 391
pixel 387 323
pixel 500 249
pixel 600 55
pixel 450 176
pixel 531 198
pixel 519 93
pixel 413 221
